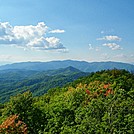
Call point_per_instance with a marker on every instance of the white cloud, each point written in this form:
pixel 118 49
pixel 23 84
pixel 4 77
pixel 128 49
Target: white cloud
pixel 113 46
pixel 90 47
pixel 110 38
pixel 93 48
pixel 55 43
pixel 29 37
pixel 5 29
pixel 51 43
pixel 63 50
pixel 57 31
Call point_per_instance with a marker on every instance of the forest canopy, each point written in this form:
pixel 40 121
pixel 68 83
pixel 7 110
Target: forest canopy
pixel 99 103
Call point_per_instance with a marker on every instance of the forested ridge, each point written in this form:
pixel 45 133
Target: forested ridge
pixel 100 103
pixel 15 81
pixel 81 65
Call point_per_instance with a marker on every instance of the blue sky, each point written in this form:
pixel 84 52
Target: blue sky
pixel 45 30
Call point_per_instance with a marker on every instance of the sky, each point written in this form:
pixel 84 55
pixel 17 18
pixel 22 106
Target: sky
pixel 85 30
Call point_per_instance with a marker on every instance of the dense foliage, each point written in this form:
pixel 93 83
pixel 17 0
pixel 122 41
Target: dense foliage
pixel 101 103
pixel 13 82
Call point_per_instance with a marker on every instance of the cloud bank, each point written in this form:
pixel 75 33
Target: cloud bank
pixel 110 38
pixel 30 37
pixel 113 46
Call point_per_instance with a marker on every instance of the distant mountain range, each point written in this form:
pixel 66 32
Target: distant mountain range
pixel 81 65
pixel 39 77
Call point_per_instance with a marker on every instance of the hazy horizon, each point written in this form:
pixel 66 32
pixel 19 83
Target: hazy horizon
pixel 8 63
pixel 90 30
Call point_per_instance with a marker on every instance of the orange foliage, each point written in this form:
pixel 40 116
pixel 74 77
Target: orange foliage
pixel 13 126
pixel 87 91
pixel 109 91
pixel 106 86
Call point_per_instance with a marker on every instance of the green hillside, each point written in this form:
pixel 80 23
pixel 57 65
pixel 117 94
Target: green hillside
pixel 101 103
pixel 13 82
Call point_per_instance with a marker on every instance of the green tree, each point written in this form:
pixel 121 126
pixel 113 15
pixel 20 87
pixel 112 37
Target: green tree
pixel 22 105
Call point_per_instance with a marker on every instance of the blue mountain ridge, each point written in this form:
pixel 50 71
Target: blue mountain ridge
pixel 81 65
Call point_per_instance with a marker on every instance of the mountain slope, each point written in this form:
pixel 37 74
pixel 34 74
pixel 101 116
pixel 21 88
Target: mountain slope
pixel 81 65
pixel 13 82
pixel 100 103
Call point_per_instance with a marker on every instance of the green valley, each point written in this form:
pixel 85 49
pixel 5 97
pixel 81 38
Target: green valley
pixel 13 82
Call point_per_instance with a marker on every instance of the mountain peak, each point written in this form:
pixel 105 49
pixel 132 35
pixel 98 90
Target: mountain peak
pixel 70 68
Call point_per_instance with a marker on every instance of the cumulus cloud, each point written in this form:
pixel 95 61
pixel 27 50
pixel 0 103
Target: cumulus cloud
pixel 5 29
pixel 113 46
pixel 57 31
pixel 110 38
pixel 29 37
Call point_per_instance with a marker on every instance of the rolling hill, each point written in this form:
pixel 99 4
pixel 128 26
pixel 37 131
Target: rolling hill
pixel 100 103
pixel 13 82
